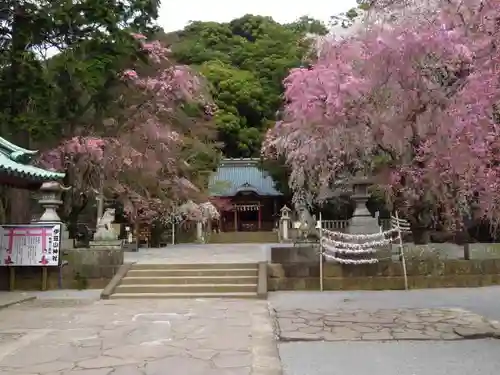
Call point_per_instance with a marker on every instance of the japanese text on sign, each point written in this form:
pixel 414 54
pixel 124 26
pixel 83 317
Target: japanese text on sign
pixel 30 245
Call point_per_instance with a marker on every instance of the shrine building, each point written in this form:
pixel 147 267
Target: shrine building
pixel 16 172
pixel 252 201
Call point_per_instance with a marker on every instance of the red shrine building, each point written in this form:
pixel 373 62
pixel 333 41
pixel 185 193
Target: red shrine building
pixel 250 201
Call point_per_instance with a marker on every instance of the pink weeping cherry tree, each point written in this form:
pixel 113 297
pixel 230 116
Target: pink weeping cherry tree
pixel 138 155
pixel 413 102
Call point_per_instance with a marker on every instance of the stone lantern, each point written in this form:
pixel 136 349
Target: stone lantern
pixel 362 221
pixel 285 222
pixel 50 200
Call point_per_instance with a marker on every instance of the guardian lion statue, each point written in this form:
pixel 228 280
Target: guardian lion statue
pixel 105 231
pixel 107 218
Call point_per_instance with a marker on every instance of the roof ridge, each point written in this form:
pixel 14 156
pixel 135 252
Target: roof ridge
pixel 15 152
pixel 237 173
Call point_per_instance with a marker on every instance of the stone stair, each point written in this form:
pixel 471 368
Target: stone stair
pixel 197 280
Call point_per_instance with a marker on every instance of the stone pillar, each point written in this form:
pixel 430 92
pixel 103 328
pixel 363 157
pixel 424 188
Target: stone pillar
pixel 50 200
pixel 362 221
pixel 199 232
pixel 285 223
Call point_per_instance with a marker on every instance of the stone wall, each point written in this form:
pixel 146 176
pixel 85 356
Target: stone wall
pixel 384 275
pixel 304 253
pixel 86 268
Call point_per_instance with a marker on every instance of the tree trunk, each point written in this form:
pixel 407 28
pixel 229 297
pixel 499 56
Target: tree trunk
pixel 19 206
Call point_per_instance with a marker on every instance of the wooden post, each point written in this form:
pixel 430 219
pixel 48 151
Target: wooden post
pixel 235 219
pixel 260 216
pixel 137 234
pixel 173 230
pixel 467 251
pixel 12 278
pixel 44 278
pixel 321 258
pixel 401 250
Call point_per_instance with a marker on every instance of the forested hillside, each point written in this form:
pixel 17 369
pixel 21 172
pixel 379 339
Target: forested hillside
pixel 245 62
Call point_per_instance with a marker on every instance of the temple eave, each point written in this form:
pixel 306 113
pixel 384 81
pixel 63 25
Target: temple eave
pixel 20 182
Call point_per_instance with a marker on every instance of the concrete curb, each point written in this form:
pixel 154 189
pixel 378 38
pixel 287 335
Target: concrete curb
pixel 4 305
pixel 120 274
pixel 266 360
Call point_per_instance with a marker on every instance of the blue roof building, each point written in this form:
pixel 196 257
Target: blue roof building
pixel 241 175
pixel 254 200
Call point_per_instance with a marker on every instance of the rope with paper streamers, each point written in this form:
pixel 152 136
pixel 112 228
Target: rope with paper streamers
pixel 353 245
pixel 347 248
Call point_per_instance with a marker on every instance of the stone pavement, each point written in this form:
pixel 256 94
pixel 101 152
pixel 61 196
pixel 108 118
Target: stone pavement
pixel 202 253
pixel 12 298
pixel 382 325
pixel 137 337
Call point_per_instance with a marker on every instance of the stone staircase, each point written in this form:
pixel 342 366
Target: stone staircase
pixel 197 280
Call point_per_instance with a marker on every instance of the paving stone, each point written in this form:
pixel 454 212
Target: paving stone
pixel 105 361
pixel 98 371
pixel 377 336
pixel 132 337
pixel 53 366
pixel 384 324
pixel 127 370
pixel 410 334
pixel 177 366
pixel 234 359
pixel 474 332
pixel 347 333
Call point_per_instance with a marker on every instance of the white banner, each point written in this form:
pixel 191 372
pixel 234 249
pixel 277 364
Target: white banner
pixel 30 245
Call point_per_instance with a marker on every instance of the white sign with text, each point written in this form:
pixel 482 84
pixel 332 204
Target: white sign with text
pixel 30 245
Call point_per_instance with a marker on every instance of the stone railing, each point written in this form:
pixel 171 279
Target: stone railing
pixel 342 225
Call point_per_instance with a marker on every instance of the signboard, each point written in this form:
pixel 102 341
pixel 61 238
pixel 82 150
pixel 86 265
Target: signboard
pixel 30 245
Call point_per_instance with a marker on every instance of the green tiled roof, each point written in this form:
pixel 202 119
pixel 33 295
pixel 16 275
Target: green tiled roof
pixel 14 159
pixel 236 175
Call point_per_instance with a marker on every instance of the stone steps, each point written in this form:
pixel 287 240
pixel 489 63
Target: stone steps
pixel 136 280
pixel 156 272
pixel 209 280
pixel 186 288
pixel 181 295
pixel 195 266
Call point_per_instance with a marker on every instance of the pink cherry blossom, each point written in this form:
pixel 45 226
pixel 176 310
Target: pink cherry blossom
pixel 137 156
pixel 422 93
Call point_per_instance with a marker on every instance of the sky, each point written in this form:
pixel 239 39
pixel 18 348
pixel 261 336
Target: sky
pixel 176 15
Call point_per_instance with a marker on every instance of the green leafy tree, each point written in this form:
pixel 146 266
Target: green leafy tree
pixel 241 101
pixel 38 100
pixel 306 24
pixel 245 61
